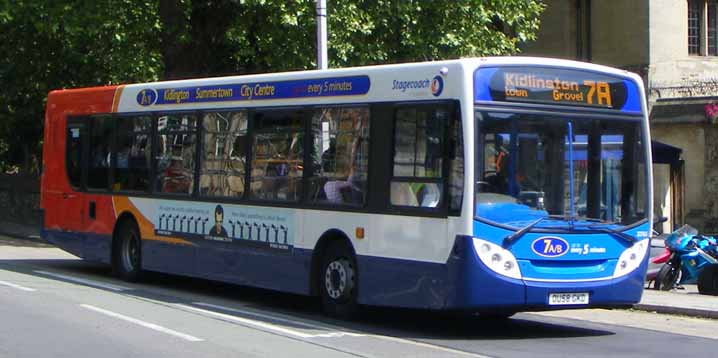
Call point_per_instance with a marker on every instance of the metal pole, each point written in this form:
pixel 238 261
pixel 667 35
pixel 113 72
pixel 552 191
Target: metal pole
pixel 322 62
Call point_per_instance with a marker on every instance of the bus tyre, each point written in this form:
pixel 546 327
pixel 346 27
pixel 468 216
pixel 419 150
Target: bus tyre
pixel 708 281
pixel 667 277
pixel 338 282
pixel 127 252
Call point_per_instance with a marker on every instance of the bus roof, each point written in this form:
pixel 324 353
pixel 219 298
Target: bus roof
pixel 436 80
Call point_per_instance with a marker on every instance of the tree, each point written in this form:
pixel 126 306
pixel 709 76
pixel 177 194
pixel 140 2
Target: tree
pixel 389 31
pixel 201 39
pixel 51 45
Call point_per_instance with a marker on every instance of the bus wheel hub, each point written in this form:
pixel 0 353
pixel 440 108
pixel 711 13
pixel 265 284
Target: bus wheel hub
pixel 335 279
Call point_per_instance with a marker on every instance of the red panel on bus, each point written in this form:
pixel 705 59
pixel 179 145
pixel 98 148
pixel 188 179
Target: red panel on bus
pixel 66 209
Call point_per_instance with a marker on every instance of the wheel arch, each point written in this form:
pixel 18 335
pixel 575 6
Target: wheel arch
pixel 328 237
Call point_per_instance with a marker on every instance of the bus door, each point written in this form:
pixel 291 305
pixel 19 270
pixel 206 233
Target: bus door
pixel 71 199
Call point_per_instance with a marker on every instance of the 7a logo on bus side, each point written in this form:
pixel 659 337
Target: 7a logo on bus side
pixel 147 97
pixel 550 246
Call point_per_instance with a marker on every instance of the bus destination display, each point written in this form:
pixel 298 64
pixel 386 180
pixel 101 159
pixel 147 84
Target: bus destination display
pixel 553 86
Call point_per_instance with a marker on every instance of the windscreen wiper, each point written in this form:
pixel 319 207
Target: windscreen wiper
pixel 622 235
pixel 509 240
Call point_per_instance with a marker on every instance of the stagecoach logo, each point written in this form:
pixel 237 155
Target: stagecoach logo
pixel 550 246
pixel 419 86
pixel 147 97
pixel 437 86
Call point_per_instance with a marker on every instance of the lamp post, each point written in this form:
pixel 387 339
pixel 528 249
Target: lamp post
pixel 322 62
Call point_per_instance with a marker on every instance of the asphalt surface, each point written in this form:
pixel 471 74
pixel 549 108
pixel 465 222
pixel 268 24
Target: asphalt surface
pixel 52 304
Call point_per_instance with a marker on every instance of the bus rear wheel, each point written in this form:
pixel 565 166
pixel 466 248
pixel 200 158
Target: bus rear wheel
pixel 127 252
pixel 338 282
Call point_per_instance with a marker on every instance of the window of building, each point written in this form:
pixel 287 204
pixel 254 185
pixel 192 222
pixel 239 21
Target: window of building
pixel 98 171
pixel 340 155
pixel 277 155
pixel 695 17
pixel 175 155
pixel 712 31
pixel 132 156
pixel 418 156
pixel 223 159
pixel 703 27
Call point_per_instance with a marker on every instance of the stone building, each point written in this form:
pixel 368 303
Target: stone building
pixel 673 45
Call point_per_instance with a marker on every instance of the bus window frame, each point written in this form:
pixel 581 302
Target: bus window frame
pixel 442 209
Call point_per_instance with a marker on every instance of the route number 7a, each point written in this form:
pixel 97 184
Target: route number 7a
pixel 600 91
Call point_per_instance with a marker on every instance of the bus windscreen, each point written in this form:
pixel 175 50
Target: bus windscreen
pixel 525 164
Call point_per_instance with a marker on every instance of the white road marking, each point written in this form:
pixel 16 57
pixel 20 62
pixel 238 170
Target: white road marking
pixel 85 281
pixel 264 325
pixel 334 334
pixel 143 323
pixel 22 288
pixel 272 317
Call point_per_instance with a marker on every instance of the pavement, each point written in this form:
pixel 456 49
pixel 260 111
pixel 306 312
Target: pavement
pixel 685 301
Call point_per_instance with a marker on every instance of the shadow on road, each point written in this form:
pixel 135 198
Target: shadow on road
pixel 15 242
pixel 401 323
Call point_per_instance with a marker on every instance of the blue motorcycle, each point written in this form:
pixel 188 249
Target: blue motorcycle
pixel 693 259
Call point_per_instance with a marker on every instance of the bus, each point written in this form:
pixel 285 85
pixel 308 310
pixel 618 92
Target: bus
pixel 484 185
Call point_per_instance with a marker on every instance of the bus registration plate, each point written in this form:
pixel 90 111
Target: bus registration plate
pixel 569 298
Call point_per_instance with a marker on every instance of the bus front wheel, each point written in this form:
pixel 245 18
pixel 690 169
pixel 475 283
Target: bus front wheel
pixel 127 252
pixel 338 282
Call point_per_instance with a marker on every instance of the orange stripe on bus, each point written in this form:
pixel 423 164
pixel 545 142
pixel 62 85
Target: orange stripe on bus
pixel 116 99
pixel 147 228
pixel 171 240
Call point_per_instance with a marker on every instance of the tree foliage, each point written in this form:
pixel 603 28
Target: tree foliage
pixel 75 43
pixel 50 45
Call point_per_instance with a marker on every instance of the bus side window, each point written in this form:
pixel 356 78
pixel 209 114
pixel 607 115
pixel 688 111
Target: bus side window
pixel 99 158
pixel 223 157
pixel 418 156
pixel 340 151
pixel 76 136
pixel 177 137
pixel 133 153
pixel 277 155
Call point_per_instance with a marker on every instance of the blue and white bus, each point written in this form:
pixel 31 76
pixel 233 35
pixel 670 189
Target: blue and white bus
pixel 493 185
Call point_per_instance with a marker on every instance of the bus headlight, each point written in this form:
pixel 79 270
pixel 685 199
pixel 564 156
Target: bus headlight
pixel 631 258
pixel 497 258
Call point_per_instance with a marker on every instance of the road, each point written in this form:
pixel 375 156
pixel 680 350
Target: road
pixel 54 305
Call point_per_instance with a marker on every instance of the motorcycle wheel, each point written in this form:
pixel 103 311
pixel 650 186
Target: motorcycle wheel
pixel 667 277
pixel 708 281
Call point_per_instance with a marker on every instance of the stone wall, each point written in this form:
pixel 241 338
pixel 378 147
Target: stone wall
pixel 20 199
pixel 710 201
